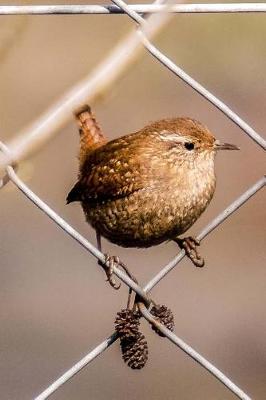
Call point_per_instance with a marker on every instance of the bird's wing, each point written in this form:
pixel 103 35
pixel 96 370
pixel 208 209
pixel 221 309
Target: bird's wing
pixel 115 170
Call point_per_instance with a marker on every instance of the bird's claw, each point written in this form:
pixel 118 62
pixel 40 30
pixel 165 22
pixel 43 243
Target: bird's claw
pixel 190 244
pixel 109 264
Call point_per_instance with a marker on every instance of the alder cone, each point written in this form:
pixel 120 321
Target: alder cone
pixel 165 316
pixel 135 351
pixel 127 324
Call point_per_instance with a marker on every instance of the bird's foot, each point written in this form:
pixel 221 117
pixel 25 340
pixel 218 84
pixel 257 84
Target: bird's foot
pixel 109 264
pixel 190 244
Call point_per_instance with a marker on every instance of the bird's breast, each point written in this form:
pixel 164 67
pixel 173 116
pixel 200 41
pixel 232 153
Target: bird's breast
pixel 156 213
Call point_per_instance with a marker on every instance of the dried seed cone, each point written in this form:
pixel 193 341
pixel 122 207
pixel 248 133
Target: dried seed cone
pixel 127 323
pixel 165 316
pixel 135 351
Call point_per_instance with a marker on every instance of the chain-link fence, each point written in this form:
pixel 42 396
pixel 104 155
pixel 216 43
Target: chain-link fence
pixel 33 138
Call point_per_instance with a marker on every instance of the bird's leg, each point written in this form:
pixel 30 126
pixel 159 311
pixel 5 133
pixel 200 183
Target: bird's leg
pixel 108 265
pixel 190 244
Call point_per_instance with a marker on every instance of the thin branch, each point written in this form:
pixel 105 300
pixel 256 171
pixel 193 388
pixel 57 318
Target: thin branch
pixel 139 8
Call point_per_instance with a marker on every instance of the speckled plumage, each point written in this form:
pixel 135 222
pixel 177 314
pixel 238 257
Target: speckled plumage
pixel 148 187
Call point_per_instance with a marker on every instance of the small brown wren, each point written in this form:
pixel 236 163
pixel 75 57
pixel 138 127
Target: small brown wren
pixel 147 187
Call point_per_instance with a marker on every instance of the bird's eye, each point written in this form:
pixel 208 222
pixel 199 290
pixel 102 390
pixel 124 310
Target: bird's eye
pixel 189 145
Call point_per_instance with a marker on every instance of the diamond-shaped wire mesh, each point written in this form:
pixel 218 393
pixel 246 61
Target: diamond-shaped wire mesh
pixel 33 139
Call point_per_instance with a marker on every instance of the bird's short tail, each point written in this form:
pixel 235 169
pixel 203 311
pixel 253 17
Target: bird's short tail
pixel 91 135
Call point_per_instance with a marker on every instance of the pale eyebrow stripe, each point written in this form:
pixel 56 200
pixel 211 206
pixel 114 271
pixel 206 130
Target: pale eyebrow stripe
pixel 168 136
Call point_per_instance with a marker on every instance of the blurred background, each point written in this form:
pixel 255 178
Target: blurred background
pixel 55 303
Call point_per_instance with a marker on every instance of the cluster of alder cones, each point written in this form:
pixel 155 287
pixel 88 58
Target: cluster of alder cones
pixel 133 343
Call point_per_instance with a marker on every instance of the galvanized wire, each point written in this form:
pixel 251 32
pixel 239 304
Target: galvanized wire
pixel 142 292
pixel 77 367
pixel 51 121
pixel 31 138
pixel 188 79
pixel 139 8
pixel 227 212
pixel 40 131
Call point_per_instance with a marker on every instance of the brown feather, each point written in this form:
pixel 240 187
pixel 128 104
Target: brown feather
pixel 144 188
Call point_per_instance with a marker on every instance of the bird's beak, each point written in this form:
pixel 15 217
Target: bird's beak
pixel 224 146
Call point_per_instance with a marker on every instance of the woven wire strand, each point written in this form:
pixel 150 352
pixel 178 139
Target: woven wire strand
pixel 10 174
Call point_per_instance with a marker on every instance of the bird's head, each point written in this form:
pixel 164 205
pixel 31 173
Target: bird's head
pixel 188 140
